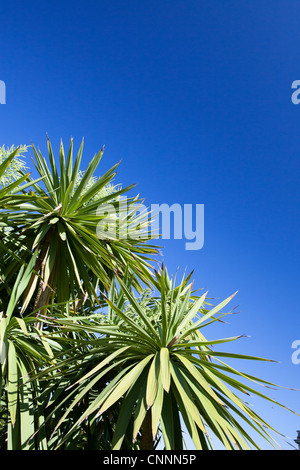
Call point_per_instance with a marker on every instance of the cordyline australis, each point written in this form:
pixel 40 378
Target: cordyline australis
pixel 98 349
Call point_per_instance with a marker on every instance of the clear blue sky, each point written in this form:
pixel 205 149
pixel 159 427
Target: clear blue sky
pixel 195 98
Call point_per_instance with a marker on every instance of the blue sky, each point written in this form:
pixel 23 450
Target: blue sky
pixel 195 98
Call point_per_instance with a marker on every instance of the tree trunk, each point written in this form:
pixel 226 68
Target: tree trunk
pixel 146 432
pixel 43 292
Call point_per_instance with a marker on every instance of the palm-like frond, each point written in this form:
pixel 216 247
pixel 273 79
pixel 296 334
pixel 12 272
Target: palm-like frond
pixel 13 190
pixel 23 351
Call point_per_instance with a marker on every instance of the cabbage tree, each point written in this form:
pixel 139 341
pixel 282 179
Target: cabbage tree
pixel 61 224
pixel 158 370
